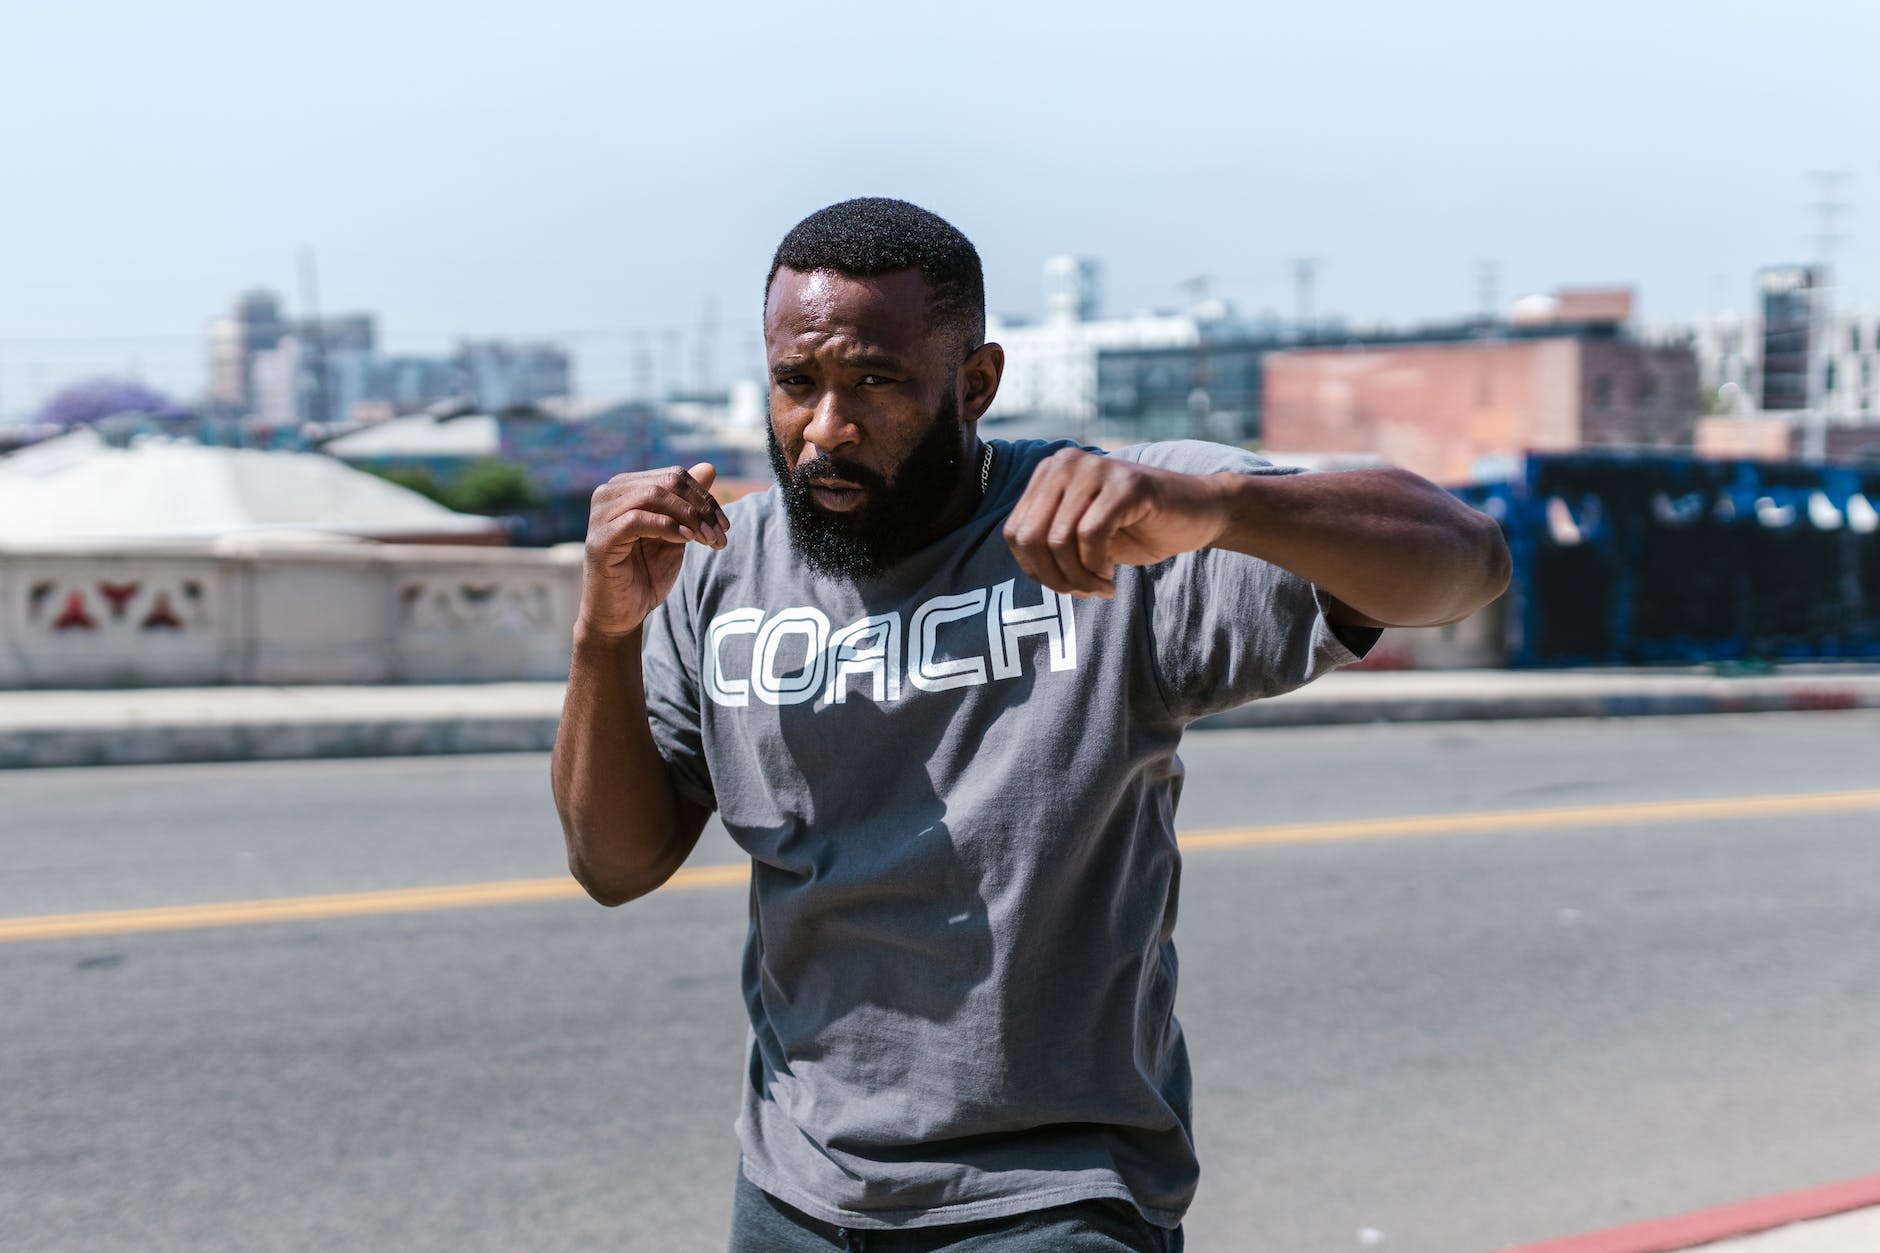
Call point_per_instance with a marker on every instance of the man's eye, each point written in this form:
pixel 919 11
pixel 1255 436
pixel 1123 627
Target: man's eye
pixel 875 380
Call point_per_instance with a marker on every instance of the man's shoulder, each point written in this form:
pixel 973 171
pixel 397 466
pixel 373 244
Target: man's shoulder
pixel 756 532
pixel 1017 460
pixel 1200 456
pixel 756 517
pixel 1027 453
pixel 761 501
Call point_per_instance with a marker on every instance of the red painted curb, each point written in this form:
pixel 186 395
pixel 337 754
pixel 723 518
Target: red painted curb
pixel 1668 1235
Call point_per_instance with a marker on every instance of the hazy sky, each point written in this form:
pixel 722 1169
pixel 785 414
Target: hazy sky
pixel 550 168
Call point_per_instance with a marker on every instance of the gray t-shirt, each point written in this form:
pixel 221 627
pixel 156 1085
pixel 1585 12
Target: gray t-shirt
pixel 958 792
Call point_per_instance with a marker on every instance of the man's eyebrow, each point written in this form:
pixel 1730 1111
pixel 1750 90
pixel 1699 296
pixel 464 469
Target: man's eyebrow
pixel 868 360
pixel 861 359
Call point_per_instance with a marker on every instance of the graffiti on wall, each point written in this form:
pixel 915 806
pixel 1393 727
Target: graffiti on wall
pixel 1662 560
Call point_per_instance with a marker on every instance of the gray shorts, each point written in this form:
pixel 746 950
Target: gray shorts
pixel 760 1223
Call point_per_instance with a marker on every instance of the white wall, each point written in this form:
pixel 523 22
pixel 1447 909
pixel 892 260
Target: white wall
pixel 315 612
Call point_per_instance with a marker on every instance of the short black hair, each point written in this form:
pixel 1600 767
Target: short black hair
pixel 876 235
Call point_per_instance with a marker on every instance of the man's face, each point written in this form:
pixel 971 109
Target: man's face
pixel 866 436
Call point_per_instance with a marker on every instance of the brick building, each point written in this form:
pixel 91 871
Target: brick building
pixel 1459 411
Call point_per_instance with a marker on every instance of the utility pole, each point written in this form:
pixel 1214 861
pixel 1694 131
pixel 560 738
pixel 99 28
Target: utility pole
pixel 707 346
pixel 672 362
pixel 1305 282
pixel 1828 208
pixel 642 354
pixel 1201 381
pixel 315 336
pixel 1488 290
pixel 751 357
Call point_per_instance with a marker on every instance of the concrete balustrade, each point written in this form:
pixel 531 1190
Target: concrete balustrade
pixel 282 611
pixel 193 613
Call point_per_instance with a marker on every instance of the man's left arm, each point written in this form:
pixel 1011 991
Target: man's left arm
pixel 1387 547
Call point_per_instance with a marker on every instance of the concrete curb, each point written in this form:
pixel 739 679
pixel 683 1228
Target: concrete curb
pixel 158 725
pixel 156 744
pixel 162 725
pixel 1412 697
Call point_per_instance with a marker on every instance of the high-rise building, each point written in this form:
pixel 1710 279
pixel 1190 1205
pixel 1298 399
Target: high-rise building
pixel 1789 296
pixel 254 325
pixel 254 334
pixel 345 332
pixel 284 372
pixel 501 373
pixel 276 392
pixel 1786 338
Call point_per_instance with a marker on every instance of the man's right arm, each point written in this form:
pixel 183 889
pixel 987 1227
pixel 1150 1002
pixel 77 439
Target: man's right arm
pixel 627 828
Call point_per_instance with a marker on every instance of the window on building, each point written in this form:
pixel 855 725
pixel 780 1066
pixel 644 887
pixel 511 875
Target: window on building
pixel 1602 391
pixel 1645 388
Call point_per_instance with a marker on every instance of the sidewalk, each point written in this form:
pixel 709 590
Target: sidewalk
pixel 1839 1217
pixel 1857 1232
pixel 150 725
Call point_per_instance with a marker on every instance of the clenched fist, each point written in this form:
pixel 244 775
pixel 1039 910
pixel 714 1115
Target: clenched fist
pixel 1082 515
pixel 638 528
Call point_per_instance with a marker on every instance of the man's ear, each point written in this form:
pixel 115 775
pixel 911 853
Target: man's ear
pixel 981 375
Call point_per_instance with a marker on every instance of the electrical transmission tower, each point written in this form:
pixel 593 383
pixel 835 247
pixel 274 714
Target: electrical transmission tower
pixel 1828 208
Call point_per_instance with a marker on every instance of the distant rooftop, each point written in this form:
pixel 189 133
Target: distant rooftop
pixel 423 435
pixel 78 487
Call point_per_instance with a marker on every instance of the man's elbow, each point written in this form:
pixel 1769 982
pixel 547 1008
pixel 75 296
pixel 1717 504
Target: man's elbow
pixel 611 888
pixel 1486 573
pixel 1494 561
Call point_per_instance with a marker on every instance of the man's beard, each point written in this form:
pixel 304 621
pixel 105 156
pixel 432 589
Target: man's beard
pixel 900 514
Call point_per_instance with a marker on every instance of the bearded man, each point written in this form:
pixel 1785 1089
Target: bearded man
pixel 934 686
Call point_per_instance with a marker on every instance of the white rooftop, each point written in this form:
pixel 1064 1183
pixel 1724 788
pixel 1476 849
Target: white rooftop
pixel 77 487
pixel 423 435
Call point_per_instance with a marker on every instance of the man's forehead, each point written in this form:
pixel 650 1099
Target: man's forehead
pixel 891 307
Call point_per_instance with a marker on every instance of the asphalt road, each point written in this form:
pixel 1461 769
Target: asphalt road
pixel 1459 1041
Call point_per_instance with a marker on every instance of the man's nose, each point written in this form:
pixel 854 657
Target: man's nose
pixel 832 427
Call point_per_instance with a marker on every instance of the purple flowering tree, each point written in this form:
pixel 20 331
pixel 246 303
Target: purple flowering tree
pixel 93 400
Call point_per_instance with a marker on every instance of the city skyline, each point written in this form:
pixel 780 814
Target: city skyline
pixel 590 171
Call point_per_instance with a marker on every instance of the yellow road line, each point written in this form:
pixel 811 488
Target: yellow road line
pixel 341 905
pixel 518 891
pixel 1538 819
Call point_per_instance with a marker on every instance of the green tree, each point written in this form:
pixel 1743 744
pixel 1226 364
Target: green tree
pixel 492 487
pixel 415 478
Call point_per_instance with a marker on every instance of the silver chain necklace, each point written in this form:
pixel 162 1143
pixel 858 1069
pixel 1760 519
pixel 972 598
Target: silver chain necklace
pixel 985 470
